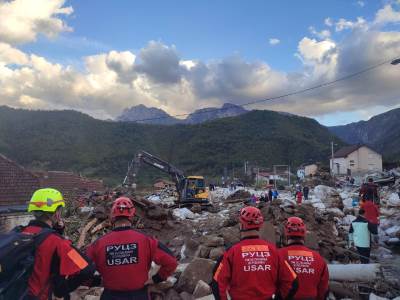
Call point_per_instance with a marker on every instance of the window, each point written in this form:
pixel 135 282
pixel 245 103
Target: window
pixel 352 163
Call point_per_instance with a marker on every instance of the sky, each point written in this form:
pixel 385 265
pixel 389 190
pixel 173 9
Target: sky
pixel 100 57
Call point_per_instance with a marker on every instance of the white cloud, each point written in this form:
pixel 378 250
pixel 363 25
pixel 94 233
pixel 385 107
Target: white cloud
pixel 274 41
pixel 328 22
pixel 11 55
pixel 344 24
pixel 323 34
pixel 22 20
pixel 361 3
pixel 387 15
pixel 157 75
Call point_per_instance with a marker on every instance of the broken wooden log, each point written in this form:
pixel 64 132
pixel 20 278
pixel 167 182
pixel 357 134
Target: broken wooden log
pixel 354 272
pixel 100 226
pixel 84 231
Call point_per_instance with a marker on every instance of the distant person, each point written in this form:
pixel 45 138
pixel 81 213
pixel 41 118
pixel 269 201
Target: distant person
pixel 275 194
pixel 369 191
pixel 306 190
pixel 352 180
pixel 360 236
pixel 371 213
pixel 298 187
pixel 299 197
pixel 270 194
pixel 311 268
pixel 253 200
pixel 263 198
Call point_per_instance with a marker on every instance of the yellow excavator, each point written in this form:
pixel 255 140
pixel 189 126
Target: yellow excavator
pixel 191 189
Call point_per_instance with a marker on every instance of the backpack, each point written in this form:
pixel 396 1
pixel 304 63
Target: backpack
pixel 17 255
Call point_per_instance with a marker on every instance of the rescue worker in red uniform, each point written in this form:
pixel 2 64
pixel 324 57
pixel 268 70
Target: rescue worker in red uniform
pixel 311 269
pixel 123 257
pixel 252 269
pixel 58 267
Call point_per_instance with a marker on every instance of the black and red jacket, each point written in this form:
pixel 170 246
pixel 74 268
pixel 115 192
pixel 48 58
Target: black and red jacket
pixel 252 269
pixel 123 258
pixel 56 258
pixel 311 269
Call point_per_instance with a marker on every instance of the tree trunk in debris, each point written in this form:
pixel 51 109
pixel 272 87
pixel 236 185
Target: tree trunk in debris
pixel 354 272
pixel 84 231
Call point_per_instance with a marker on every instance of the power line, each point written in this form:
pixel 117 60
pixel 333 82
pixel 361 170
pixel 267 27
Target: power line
pixel 355 74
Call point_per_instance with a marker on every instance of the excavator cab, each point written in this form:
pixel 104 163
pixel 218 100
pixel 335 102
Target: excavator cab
pixel 195 190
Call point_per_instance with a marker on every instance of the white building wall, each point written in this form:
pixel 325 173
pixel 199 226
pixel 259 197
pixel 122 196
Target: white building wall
pixel 339 166
pixel 310 169
pixel 363 160
pixel 369 160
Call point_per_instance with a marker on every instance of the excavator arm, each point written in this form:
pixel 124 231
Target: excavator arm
pixel 143 157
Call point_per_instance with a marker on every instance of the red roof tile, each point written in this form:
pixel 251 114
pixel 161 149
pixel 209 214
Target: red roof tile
pixel 16 183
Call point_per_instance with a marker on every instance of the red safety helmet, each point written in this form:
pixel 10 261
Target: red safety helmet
pixel 122 207
pixel 295 227
pixel 250 218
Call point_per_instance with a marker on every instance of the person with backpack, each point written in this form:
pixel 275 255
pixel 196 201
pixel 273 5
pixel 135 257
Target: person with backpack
pixel 311 268
pixel 371 213
pixel 36 261
pixel 360 236
pixel 252 268
pixel 369 191
pixel 123 257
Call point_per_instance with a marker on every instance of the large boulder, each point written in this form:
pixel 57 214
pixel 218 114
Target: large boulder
pixel 212 241
pixel 202 289
pixel 190 248
pixel 172 295
pixel 231 235
pixel 215 253
pixel 312 240
pixel 157 213
pixel 267 232
pixel 198 269
pixel 203 251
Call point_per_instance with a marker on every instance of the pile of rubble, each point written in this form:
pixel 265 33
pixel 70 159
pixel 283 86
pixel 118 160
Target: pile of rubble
pixel 198 238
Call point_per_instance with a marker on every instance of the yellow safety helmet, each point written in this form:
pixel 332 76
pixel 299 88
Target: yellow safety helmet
pixel 46 200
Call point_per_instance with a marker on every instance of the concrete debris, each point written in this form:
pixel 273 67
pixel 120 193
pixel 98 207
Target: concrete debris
pixel 183 213
pixel 394 200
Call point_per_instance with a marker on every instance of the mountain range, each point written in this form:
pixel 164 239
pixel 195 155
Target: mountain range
pixel 73 141
pixel 152 115
pixel 381 132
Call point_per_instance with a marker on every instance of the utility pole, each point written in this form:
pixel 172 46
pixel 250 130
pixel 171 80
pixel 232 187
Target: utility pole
pixel 332 163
